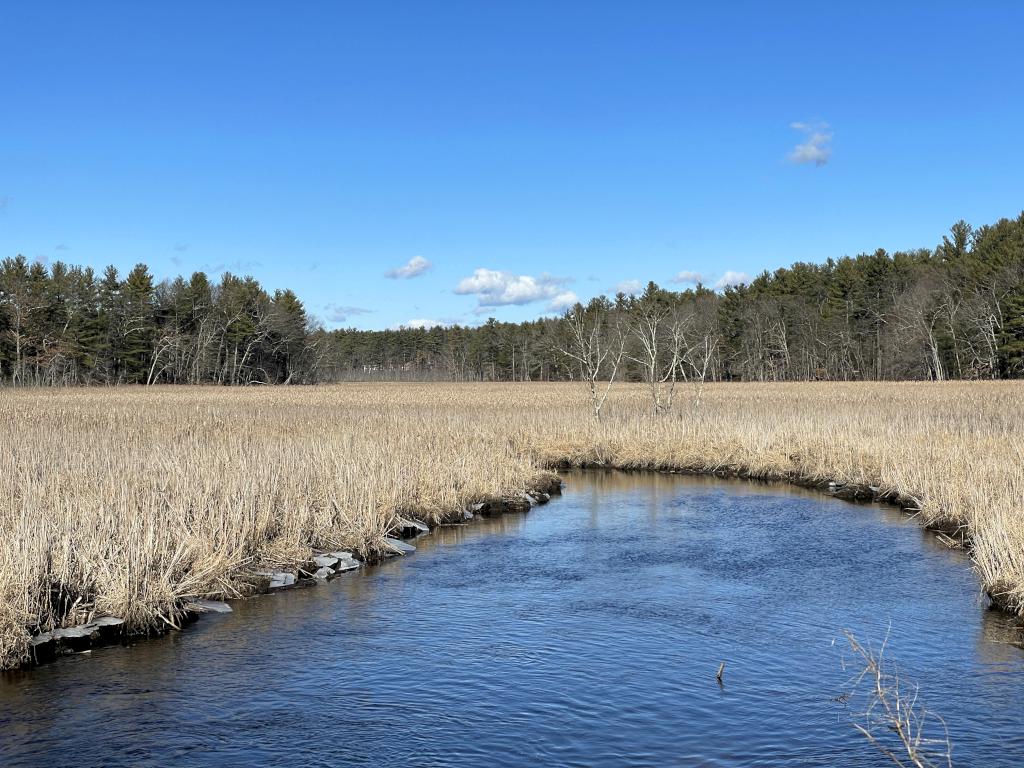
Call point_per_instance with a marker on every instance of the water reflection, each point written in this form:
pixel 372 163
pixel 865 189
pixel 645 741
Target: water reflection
pixel 586 632
pixel 1001 638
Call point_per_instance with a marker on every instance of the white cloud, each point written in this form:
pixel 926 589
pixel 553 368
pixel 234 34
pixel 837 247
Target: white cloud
pixel 731 279
pixel 417 266
pixel 494 288
pixel 562 301
pixel 687 276
pixel 817 148
pixel 339 313
pixel 629 287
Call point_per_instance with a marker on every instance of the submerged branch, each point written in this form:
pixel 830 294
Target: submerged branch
pixel 891 715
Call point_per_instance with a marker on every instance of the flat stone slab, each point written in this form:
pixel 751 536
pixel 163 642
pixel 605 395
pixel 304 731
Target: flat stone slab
pixel 323 574
pixel 208 606
pixel 414 526
pixel 278 579
pixel 75 633
pixel 282 580
pixel 70 635
pixel 399 547
pixel 346 561
pixel 325 561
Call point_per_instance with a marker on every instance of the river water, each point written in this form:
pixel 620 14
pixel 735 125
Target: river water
pixel 586 632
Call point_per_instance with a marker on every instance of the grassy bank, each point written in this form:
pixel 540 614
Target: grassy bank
pixel 126 502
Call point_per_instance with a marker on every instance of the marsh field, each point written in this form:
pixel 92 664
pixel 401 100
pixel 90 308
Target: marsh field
pixel 127 502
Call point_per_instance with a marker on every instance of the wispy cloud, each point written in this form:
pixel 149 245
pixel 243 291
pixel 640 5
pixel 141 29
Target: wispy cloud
pixel 416 266
pixel 629 287
pixel 235 267
pixel 817 145
pixel 423 323
pixel 339 313
pixel 688 277
pixel 181 247
pixel 731 279
pixel 61 247
pixel 494 288
pixel 5 200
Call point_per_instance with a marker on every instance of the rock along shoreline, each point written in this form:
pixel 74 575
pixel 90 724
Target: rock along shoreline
pixel 324 566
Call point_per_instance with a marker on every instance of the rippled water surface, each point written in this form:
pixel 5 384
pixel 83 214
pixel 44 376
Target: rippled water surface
pixel 586 632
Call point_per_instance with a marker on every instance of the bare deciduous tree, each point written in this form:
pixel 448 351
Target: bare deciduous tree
pixel 699 344
pixel 660 331
pixel 596 345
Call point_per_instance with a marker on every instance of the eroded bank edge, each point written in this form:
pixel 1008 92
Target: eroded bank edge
pixel 322 567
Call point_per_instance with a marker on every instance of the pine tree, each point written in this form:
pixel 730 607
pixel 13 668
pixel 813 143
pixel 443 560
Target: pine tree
pixel 138 323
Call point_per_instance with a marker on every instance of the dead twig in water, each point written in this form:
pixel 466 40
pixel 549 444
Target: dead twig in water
pixel 894 719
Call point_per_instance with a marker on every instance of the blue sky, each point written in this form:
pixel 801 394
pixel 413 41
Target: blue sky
pixel 509 156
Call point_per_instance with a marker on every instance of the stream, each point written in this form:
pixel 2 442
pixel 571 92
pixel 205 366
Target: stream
pixel 586 632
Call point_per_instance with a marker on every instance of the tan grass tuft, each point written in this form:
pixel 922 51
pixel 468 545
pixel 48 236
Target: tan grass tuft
pixel 128 501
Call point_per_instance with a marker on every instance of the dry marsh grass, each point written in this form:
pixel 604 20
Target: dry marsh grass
pixel 127 501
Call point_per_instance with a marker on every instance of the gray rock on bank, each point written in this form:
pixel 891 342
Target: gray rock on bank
pixel 207 606
pixel 48 645
pixel 407 527
pixel 345 561
pixel 81 632
pixel 108 629
pixel 399 547
pixel 278 579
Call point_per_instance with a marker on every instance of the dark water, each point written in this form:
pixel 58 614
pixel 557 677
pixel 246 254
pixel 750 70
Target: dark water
pixel 585 633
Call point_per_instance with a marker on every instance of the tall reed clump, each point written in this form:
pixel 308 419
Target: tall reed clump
pixel 129 501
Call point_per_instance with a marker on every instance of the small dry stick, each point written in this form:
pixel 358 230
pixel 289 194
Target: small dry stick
pixel 893 718
pixel 721 669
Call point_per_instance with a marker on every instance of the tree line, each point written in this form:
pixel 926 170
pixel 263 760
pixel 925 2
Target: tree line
pixel 67 326
pixel 952 311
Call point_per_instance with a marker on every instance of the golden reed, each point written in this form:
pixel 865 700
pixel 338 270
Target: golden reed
pixel 128 501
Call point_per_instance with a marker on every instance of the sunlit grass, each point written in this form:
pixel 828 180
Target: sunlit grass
pixel 126 501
